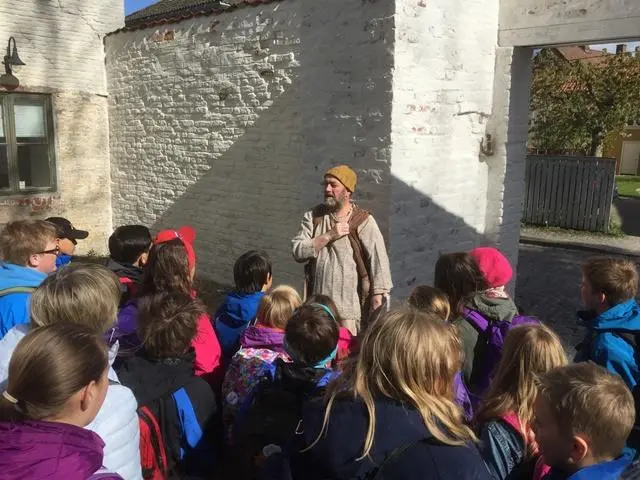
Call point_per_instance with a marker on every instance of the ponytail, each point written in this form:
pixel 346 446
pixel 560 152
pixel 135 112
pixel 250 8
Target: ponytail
pixel 49 365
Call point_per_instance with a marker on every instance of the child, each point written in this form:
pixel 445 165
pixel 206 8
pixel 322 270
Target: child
pixel 347 343
pixel 475 283
pixel 506 415
pixel 171 268
pixel 128 252
pixel 391 412
pixel 430 300
pixel 311 339
pixel 583 418
pixel 261 344
pixel 252 277
pixel 42 415
pixel 87 295
pixel 162 379
pixel 29 253
pixel 612 319
pixel 67 238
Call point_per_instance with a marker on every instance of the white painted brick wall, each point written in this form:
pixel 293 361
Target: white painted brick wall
pixel 61 43
pixel 227 122
pixel 442 98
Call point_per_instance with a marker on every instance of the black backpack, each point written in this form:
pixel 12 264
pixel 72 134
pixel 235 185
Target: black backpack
pixel 274 418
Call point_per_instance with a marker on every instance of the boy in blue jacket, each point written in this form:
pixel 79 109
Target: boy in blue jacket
pixel 583 418
pixel 612 318
pixel 252 278
pixel 29 253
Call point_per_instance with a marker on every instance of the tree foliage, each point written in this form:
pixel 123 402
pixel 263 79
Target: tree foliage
pixel 575 104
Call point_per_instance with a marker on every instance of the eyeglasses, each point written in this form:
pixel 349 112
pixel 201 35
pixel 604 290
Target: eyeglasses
pixel 53 251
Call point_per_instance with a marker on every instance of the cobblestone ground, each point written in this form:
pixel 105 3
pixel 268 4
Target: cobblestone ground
pixel 548 286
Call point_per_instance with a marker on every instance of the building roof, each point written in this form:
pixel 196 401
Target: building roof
pixel 582 53
pixel 172 11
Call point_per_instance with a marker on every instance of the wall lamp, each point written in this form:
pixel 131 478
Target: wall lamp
pixel 10 59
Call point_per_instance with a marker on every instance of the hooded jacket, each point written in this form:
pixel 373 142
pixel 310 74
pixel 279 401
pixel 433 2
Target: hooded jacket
pixel 609 349
pixel 611 470
pixel 130 277
pixel 153 382
pixel 14 307
pixel 233 317
pixel 116 422
pixel 33 450
pixel 336 453
pixel 257 336
pixel 493 309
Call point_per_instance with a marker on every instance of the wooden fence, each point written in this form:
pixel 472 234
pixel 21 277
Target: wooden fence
pixel 569 192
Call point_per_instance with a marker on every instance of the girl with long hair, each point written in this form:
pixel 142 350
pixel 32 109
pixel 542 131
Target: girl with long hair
pixel 504 418
pixel 392 410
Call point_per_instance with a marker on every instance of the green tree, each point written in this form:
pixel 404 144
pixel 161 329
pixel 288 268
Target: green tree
pixel 575 105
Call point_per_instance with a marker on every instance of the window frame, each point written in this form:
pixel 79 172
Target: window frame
pixel 7 102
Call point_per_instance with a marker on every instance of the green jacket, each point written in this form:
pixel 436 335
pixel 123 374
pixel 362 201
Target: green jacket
pixel 496 309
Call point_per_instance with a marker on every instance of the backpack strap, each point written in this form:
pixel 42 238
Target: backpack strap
pixel 157 442
pixel 476 320
pixel 394 456
pixel 358 217
pixel 9 291
pixel 189 424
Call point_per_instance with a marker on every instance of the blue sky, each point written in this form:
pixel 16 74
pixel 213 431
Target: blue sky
pixel 131 6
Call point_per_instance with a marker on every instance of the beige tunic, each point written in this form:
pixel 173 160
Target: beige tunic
pixel 336 274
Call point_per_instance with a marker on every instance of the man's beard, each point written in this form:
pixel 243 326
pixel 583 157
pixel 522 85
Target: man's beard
pixel 332 204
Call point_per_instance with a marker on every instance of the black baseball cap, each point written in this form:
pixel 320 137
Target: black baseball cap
pixel 64 229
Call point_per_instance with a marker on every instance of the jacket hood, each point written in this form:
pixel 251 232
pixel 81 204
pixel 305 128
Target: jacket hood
pixel 48 450
pixel 396 425
pixel 500 309
pixel 263 337
pixel 124 270
pixel 12 275
pixel 624 316
pixel 610 470
pixel 239 309
pixel 150 379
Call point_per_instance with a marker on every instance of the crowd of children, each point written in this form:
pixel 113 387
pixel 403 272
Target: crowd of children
pixel 118 371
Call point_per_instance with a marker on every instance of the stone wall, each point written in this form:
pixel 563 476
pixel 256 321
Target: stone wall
pixel 227 122
pixel 62 45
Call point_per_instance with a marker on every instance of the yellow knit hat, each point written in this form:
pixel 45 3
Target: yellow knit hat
pixel 346 176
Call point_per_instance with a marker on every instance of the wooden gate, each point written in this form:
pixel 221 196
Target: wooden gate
pixel 569 192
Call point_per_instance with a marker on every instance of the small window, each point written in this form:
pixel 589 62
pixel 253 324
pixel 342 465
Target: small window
pixel 26 144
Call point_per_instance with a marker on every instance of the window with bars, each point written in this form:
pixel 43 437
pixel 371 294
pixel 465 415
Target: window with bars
pixel 27 152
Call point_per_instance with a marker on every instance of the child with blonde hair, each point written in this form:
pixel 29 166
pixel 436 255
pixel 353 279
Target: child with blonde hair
pixel 57 384
pixel 260 345
pixel 392 411
pixel 430 300
pixel 87 295
pixel 506 415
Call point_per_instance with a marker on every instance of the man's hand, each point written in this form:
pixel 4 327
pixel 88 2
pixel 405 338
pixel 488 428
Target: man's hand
pixel 339 230
pixel 376 301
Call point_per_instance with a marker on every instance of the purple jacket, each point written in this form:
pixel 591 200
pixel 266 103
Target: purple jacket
pixel 51 450
pixel 124 330
pixel 263 337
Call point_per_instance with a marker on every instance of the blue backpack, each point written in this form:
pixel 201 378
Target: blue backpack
pixel 490 342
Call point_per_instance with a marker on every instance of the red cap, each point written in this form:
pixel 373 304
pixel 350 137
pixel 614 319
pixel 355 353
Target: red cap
pixel 187 235
pixel 494 266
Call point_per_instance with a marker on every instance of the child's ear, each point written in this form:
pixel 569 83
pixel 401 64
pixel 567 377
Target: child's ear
pixel 269 282
pixel 88 394
pixel 142 259
pixel 579 450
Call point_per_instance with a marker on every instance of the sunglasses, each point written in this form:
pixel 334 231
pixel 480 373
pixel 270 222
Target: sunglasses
pixel 53 251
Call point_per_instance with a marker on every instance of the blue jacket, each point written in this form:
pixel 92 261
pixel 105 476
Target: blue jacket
pixel 611 470
pixel 233 317
pixel 14 307
pixel 502 448
pixel 608 349
pixel 336 453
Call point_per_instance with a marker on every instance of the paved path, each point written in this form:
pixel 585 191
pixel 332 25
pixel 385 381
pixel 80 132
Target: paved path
pixel 629 212
pixel 548 286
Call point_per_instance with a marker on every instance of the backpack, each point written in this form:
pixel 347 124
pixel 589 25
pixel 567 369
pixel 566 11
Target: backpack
pixel 365 292
pixel 272 423
pixel 156 459
pixel 489 349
